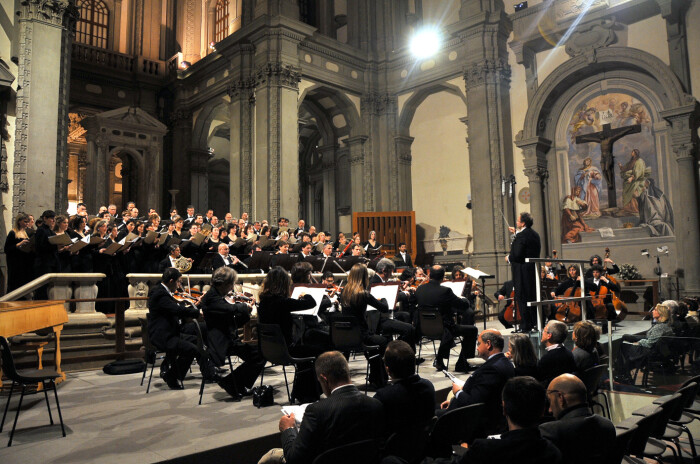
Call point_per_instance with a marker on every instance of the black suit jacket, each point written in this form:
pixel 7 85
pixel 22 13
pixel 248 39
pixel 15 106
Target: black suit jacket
pixel 217 261
pixel 555 362
pixel 164 313
pixel 400 262
pixel 524 446
pixel 525 245
pixel 164 264
pixel 278 310
pixel 408 403
pixel 345 417
pixel 443 298
pixel 485 386
pixel 375 280
pixel 582 437
pixel 222 318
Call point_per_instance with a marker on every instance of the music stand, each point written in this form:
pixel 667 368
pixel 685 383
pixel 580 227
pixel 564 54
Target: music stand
pixel 286 261
pixel 477 274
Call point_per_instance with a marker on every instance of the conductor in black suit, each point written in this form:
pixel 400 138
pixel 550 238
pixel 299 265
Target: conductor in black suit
pixel 525 245
pixel 164 314
pixel 432 294
pixel 345 416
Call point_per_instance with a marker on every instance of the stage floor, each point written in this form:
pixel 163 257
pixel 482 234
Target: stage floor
pixel 113 420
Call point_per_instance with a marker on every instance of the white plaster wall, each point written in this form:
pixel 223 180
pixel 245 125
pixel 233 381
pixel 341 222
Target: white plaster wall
pixel 440 168
pixel 548 61
pixel 440 12
pixel 692 20
pixel 518 109
pixel 650 35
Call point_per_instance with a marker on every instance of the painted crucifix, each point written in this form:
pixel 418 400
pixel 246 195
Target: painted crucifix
pixel 606 138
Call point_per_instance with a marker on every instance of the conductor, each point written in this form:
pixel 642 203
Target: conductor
pixel 525 245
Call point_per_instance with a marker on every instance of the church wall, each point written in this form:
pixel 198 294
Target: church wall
pixel 442 12
pixel 151 29
pixel 648 35
pixel 440 166
pixel 7 32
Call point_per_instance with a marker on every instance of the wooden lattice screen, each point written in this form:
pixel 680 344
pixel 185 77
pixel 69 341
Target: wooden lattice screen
pixel 392 227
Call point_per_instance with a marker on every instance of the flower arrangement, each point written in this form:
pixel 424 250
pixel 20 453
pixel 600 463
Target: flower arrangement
pixel 629 272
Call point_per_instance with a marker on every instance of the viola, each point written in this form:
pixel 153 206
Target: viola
pixel 512 311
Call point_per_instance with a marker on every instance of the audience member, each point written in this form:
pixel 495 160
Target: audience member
pixel 585 336
pixel 557 359
pixel 522 354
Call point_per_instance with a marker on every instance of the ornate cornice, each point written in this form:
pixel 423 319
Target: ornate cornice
pixel 241 87
pixel 278 74
pixel 487 72
pixel 180 116
pixel 61 13
pixel 379 103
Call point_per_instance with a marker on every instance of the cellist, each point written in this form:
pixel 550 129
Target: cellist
pixel 505 292
pixel 595 284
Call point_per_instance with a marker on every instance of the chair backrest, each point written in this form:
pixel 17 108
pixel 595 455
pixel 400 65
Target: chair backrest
pixel 695 379
pixel 145 338
pixel 408 444
pixel 272 344
pixel 8 363
pixel 591 378
pixel 453 428
pixel 372 318
pixel 623 440
pixel 430 321
pixel 669 406
pixel 645 424
pixel 346 334
pixel 688 392
pixel 365 452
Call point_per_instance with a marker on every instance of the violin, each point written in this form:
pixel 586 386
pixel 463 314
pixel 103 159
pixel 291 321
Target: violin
pixel 333 290
pixel 239 297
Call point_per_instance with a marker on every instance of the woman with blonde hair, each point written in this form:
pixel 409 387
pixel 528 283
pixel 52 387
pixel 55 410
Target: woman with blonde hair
pixel 355 299
pixel 637 350
pixel 20 256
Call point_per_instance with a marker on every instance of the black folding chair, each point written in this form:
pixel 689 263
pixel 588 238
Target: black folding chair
pixel 25 378
pixel 273 349
pixel 591 378
pixel 365 452
pixel 151 353
pixel 453 428
pixel 430 327
pixel 346 337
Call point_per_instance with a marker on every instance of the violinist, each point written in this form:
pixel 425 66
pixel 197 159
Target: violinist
pixel 164 313
pixel 332 289
pixel 315 333
pixel 505 293
pixel 223 319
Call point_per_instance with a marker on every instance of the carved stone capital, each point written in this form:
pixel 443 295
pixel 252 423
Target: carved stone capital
pixel 241 88
pixel 54 12
pixel 683 135
pixel 279 75
pixel 537 174
pixel 487 72
pixel 180 117
pixel 379 103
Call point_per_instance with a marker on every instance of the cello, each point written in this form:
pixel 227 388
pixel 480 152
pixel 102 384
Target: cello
pixel 620 306
pixel 570 311
pixel 511 312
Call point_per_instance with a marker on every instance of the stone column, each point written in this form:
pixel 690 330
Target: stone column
pixel 324 12
pixel 674 12
pixel 101 173
pixel 276 149
pixel 684 142
pixel 153 158
pixel 526 56
pixel 404 158
pixel 359 181
pixel 328 201
pixel 45 36
pixel 199 178
pixel 487 79
pixel 181 120
pixel 535 160
pixel 379 117
pixel 241 146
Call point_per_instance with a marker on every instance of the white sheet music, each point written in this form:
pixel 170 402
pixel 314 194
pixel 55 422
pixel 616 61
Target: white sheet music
pixel 475 273
pixel 317 294
pixel 456 287
pixel 390 292
pixel 297 410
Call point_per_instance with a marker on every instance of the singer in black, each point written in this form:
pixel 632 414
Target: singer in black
pixel 525 245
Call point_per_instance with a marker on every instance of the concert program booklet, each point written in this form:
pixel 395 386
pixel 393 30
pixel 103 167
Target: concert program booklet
pixel 60 240
pixel 151 237
pixel 113 248
pixel 198 238
pixel 315 290
pixel 96 239
pixel 27 246
pixel 388 290
pixel 297 410
pixel 79 244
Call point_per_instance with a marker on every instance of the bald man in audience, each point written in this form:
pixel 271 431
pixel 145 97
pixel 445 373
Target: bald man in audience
pixel 581 436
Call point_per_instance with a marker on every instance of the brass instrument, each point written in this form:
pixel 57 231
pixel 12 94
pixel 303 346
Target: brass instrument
pixel 183 264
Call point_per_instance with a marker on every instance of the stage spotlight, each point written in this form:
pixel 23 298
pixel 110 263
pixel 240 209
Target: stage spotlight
pixel 520 6
pixel 185 64
pixel 425 43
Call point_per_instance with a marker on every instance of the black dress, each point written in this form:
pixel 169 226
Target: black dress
pixel 19 263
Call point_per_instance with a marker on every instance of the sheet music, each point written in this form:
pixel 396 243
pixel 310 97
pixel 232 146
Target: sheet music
pixel 475 273
pixel 457 287
pixel 317 294
pixel 389 291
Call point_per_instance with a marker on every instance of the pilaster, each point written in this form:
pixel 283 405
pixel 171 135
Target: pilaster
pixel 379 115
pixel 358 173
pixel 45 35
pixel 199 178
pixel 328 163
pixel 404 160
pixel 242 94
pixel 535 161
pixel 674 12
pixel 181 123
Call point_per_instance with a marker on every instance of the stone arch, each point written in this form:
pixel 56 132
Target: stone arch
pixel 342 103
pixel 632 63
pixel 216 109
pixel 409 108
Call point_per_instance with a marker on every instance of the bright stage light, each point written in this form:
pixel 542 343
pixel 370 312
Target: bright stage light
pixel 425 43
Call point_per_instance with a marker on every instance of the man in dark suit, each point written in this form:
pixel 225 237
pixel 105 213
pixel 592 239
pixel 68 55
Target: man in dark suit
pixel 402 258
pixel 164 313
pixel 522 401
pixel 409 400
pixel 345 416
pixel 581 436
pixel 46 254
pixel 485 383
pixel 525 245
pixel 557 359
pixel 222 320
pixel 223 258
pixel 434 295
